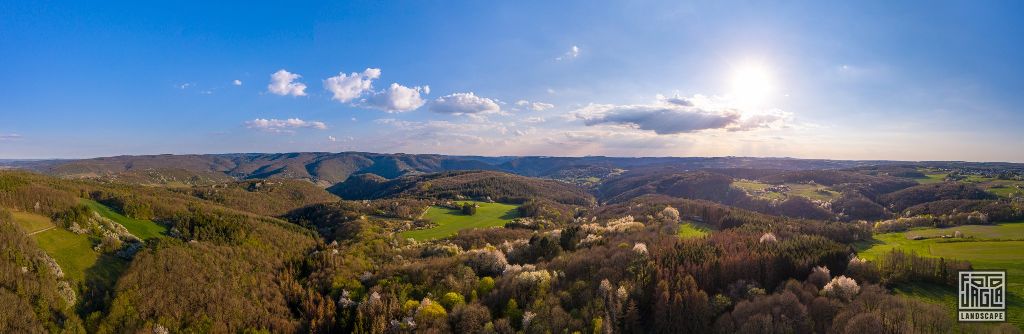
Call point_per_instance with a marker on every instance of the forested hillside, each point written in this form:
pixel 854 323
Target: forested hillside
pixel 795 251
pixel 496 186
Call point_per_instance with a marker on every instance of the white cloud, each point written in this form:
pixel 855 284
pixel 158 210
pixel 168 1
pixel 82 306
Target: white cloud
pixel 9 136
pixel 285 125
pixel 332 139
pixel 535 106
pixel 283 83
pixel 678 114
pixel 573 53
pixel 237 82
pixel 463 104
pixel 397 98
pixel 347 87
pixel 185 85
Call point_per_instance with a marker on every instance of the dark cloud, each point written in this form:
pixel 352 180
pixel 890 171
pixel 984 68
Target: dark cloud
pixel 664 120
pixel 674 115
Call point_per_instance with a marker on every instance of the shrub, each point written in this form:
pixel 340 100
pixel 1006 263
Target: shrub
pixel 430 313
pixel 486 262
pixel 451 300
pixel 842 287
pixel 484 286
pixel 469 209
pixel 470 318
pixel 819 276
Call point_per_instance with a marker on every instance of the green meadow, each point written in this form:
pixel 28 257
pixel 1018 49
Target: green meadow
pixel 998 246
pixel 144 229
pixel 930 178
pixel 450 222
pixel 31 223
pixel 692 230
pixel 74 252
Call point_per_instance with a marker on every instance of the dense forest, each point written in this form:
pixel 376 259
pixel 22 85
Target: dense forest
pixel 776 250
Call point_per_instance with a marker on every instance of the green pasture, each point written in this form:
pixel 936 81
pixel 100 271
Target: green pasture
pixel 692 230
pixel 998 246
pixel 450 222
pixel 144 229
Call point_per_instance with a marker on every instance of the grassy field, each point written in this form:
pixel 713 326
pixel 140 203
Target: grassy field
pixel 450 221
pixel 692 230
pixel 1001 188
pixel 758 189
pixel 144 229
pixel 1007 191
pixel 930 178
pixel 1004 231
pixel 31 222
pixel 815 192
pixel 989 247
pixel 73 252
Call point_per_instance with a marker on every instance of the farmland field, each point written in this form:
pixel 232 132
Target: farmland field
pixel 451 221
pixel 986 247
pixel 144 229
pixel 811 191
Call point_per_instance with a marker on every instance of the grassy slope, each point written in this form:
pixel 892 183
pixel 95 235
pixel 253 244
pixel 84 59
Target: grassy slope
pixel 752 187
pixel 692 230
pixel 994 247
pixel 932 178
pixel 144 229
pixel 32 222
pixel 815 192
pixel 1001 188
pixel 73 252
pixel 450 221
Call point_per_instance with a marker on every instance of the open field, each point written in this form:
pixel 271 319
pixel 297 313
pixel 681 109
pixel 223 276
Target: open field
pixel 73 252
pixel 932 178
pixel 811 191
pixel 451 221
pixel 1003 231
pixel 993 247
pixel 32 223
pixel 692 230
pixel 144 229
pixel 815 192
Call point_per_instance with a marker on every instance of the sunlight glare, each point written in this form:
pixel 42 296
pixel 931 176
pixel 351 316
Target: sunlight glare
pixel 752 84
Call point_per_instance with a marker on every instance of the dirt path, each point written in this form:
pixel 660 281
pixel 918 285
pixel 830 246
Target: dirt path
pixel 43 230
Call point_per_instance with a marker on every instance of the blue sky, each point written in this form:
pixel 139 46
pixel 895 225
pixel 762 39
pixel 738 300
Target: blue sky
pixel 881 80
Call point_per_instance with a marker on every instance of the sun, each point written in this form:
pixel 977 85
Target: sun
pixel 752 84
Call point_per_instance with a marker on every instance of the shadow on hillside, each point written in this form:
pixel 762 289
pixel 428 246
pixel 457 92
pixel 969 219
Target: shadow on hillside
pixel 862 245
pixel 511 214
pixel 97 291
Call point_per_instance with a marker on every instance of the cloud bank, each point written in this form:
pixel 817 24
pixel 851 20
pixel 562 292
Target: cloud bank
pixel 534 106
pixel 284 126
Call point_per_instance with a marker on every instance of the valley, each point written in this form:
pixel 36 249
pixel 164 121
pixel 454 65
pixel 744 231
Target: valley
pixel 571 242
